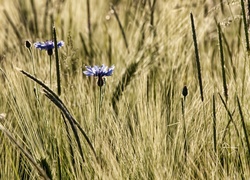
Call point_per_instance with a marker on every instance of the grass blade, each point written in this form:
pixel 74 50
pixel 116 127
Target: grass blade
pixel 123 83
pixel 244 126
pixel 230 57
pixel 50 96
pixel 230 121
pixel 197 58
pixel 245 25
pixel 222 63
pixel 85 47
pixel 35 15
pixel 25 153
pixel 13 26
pixel 89 33
pixel 214 125
pixel 57 63
pixel 120 26
pixel 57 101
pixel 46 17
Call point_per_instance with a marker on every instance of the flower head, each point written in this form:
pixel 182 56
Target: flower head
pixel 48 46
pixel 99 72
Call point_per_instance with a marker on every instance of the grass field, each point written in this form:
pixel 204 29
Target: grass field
pixel 175 107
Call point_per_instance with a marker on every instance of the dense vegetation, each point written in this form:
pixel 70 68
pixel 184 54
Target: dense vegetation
pixel 175 107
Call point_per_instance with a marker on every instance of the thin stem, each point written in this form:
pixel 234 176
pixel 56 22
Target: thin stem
pixel 57 63
pixel 89 32
pixel 244 127
pixel 120 26
pixel 184 128
pixel 197 57
pixel 35 15
pixel 33 63
pixel 28 45
pixel 222 63
pixel 214 125
pixel 50 78
pixel 245 25
pixel 100 102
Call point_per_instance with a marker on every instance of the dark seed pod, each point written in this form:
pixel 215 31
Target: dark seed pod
pixel 185 91
pixel 27 44
pixel 100 81
pixel 50 52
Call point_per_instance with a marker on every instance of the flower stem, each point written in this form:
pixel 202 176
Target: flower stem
pixel 100 102
pixel 50 79
pixel 33 63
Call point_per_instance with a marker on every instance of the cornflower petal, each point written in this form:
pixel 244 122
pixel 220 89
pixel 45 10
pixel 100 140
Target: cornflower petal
pixel 60 44
pixel 110 71
pixel 96 70
pixel 48 45
pixel 99 71
pixel 89 71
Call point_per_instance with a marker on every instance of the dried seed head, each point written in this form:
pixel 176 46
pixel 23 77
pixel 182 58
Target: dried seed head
pixel 185 91
pixel 27 44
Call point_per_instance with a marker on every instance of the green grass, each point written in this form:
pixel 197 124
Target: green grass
pixel 145 128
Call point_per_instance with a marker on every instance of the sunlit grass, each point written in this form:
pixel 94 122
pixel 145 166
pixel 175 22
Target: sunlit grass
pixel 145 128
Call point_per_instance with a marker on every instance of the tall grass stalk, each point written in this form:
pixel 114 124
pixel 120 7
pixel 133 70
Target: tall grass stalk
pixel 197 57
pixel 57 63
pixel 39 169
pixel 13 26
pixel 244 129
pixel 28 46
pixel 85 47
pixel 35 15
pixel 152 10
pixel 243 89
pixel 123 83
pixel 230 57
pixel 59 161
pixel 57 101
pixel 152 17
pixel 229 122
pixel 71 149
pixel 183 101
pixel 120 27
pixel 89 33
pixel 143 128
pixel 214 126
pixel 245 25
pixel 222 63
pixel 46 16
pixel 110 49
pixel 184 129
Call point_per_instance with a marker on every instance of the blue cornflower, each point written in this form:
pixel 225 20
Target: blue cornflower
pixel 48 46
pixel 99 72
